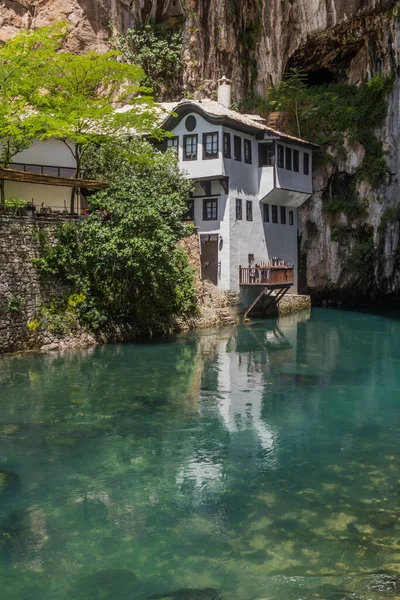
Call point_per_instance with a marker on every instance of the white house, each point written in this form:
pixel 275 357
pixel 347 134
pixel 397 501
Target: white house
pixel 249 182
pixel 43 174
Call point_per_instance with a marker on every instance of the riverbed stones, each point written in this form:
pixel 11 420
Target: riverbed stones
pixel 385 584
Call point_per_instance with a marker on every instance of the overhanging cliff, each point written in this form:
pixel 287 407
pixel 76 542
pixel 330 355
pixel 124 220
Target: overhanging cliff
pixel 254 42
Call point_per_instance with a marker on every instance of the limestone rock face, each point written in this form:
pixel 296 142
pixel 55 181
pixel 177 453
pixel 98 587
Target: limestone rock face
pixel 254 42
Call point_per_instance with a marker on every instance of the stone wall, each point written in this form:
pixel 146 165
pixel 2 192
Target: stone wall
pixel 21 291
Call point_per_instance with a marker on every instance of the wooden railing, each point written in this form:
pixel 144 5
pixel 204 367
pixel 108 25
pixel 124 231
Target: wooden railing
pixel 266 275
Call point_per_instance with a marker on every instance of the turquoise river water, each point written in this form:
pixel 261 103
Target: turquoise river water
pixel 239 464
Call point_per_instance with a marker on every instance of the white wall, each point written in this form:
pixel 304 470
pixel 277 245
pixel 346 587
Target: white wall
pixel 58 198
pixel 200 168
pixel 50 152
pixel 243 178
pixel 221 225
pixel 247 182
pixel 282 241
pixel 290 180
pixel 266 181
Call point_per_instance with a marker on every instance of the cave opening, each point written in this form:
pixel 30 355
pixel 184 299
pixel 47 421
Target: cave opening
pixel 321 76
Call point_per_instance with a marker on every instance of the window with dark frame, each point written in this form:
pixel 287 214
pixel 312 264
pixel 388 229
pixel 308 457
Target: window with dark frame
pixel 281 157
pixel 173 143
pixel 291 217
pixel 210 209
pixel 247 152
pixel 249 210
pixel 306 163
pixel 274 209
pixel 266 213
pixel 210 145
pixel 288 161
pixel 296 161
pixel 283 215
pixel 190 147
pixel 265 154
pixel 239 210
pixel 227 145
pixel 190 210
pixel 237 147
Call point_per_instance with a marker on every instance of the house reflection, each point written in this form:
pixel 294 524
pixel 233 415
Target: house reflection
pixel 238 365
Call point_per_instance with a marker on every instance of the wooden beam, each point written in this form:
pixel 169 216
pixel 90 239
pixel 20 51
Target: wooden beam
pixel 37 178
pixel 252 305
pixel 224 183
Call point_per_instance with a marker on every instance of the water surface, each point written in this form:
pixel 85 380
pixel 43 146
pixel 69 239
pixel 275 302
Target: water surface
pixel 253 463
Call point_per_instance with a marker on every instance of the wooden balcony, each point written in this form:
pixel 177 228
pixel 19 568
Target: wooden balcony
pixel 267 276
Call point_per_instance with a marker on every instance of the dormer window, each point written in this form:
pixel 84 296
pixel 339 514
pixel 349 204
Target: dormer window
pixel 190 147
pixel 210 145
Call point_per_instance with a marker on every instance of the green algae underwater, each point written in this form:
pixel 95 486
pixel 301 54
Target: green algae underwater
pixel 260 462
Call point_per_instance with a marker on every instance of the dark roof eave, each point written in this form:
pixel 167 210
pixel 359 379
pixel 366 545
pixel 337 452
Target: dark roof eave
pixel 182 110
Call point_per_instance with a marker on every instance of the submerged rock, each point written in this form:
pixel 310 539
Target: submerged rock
pixel 111 584
pixel 9 481
pixel 9 429
pixel 190 594
pixel 385 584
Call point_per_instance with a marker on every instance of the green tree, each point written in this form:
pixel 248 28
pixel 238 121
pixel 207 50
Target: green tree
pixel 326 114
pixel 21 62
pixel 126 261
pixel 78 103
pixel 290 95
pixel 157 50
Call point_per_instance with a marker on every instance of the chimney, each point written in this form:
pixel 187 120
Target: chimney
pixel 224 92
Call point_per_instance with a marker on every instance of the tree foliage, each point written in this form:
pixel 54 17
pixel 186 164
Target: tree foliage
pixel 50 93
pixel 326 113
pixel 157 50
pixel 124 258
pixel 21 60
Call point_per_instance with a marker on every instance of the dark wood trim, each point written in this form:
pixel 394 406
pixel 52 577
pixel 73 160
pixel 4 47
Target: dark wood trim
pixel 207 196
pixel 224 183
pixel 228 135
pixel 209 199
pixel 36 178
pixel 184 147
pixel 214 156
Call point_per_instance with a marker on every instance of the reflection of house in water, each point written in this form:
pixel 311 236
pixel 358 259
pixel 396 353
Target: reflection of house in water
pixel 234 388
pixel 242 371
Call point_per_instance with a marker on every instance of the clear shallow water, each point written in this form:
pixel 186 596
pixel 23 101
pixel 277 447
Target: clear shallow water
pixel 262 462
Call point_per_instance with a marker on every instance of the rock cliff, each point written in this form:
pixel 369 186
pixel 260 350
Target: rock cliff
pixel 254 42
